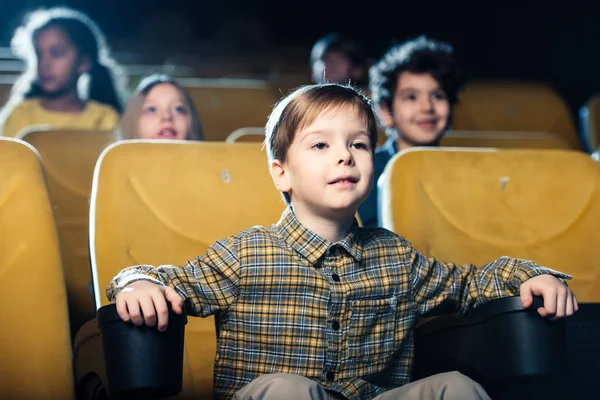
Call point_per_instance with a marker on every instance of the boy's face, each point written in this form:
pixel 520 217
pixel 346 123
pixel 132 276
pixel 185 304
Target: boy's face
pixel 329 167
pixel 334 67
pixel 420 110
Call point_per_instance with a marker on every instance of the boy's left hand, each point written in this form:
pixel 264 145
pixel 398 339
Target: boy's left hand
pixel 559 300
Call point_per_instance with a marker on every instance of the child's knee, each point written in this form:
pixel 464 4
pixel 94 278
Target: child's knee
pixel 459 386
pixel 289 381
pixel 278 386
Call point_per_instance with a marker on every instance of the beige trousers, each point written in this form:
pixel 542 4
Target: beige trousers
pixel 446 386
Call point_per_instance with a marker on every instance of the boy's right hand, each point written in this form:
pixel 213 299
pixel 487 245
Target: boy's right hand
pixel 146 302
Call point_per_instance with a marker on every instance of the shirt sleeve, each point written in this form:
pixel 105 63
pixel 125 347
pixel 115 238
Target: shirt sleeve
pixel 208 284
pixel 438 285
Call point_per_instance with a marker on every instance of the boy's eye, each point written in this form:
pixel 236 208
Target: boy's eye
pixel 150 110
pixel 439 96
pixel 181 109
pixel 319 146
pixel 410 97
pixel 360 145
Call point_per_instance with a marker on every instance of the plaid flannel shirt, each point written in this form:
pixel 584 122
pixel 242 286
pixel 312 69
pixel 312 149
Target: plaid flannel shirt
pixel 342 314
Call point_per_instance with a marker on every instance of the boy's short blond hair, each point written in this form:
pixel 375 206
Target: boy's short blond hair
pixel 300 109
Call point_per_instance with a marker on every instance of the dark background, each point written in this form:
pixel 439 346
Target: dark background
pixel 558 44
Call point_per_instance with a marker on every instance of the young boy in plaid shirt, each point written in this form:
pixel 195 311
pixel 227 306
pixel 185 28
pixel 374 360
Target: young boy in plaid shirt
pixel 315 307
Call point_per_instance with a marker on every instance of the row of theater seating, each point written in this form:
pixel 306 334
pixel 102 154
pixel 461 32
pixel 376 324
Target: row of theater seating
pixel 69 158
pixel 159 202
pixel 229 104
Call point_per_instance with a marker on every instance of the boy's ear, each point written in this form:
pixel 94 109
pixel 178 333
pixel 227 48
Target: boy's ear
pixel 85 65
pixel 280 177
pixel 385 115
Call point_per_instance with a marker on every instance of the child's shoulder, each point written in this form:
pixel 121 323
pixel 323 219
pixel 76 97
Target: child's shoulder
pixel 257 234
pixel 16 117
pixel 26 105
pixel 263 237
pixel 381 237
pixel 103 116
pixel 96 107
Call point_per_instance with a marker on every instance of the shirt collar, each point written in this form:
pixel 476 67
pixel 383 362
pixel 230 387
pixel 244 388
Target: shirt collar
pixel 310 245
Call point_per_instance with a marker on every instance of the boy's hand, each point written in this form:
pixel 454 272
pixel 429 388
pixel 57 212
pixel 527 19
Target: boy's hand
pixel 144 301
pixel 559 300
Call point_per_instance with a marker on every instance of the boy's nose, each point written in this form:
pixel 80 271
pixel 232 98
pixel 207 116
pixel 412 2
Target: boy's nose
pixel 345 158
pixel 427 104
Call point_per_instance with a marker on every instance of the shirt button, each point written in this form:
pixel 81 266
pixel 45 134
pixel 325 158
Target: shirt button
pixel 335 325
pixel 330 376
pixel 335 277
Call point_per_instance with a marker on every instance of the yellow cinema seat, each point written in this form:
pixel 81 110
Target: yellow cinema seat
pixel 514 106
pixel 35 346
pixel 165 203
pixel 68 158
pixel 473 206
pixel 504 140
pixel 225 105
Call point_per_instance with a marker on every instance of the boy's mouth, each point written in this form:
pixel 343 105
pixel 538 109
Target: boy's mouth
pixel 350 180
pixel 427 123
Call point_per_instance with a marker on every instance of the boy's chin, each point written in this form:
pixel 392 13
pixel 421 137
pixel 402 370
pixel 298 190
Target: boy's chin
pixel 345 210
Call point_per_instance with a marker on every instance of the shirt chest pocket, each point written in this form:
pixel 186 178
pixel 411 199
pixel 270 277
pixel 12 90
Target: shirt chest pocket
pixel 372 334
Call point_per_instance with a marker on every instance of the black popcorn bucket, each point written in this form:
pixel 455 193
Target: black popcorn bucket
pixel 141 362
